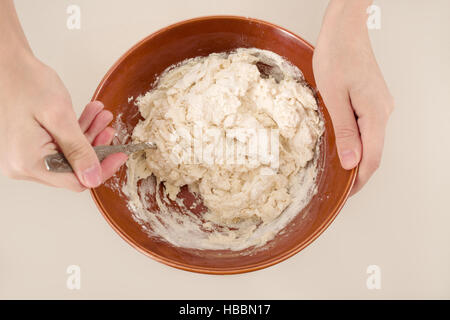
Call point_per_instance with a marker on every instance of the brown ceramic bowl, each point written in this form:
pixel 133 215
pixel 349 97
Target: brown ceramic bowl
pixel 135 72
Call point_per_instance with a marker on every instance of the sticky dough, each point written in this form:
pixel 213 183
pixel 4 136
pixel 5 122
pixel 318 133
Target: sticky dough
pixel 224 93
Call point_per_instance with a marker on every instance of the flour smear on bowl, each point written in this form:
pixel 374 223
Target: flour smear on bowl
pixel 242 138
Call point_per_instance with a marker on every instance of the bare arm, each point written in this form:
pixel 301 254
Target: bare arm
pixel 352 86
pixel 37 118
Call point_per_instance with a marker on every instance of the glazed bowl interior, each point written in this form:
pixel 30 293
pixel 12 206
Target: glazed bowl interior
pixel 135 73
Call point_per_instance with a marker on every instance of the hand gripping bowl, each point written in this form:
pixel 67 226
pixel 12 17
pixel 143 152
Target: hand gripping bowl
pixel 135 72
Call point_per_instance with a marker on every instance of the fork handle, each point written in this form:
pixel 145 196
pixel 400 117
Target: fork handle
pixel 58 163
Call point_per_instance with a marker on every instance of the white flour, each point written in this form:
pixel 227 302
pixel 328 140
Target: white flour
pixel 245 144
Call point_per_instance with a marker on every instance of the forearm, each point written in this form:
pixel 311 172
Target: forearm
pixel 12 38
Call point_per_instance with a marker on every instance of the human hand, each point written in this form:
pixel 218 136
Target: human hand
pixel 38 120
pixel 352 87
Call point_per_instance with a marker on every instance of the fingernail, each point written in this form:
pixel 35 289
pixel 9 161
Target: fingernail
pixel 348 159
pixel 91 177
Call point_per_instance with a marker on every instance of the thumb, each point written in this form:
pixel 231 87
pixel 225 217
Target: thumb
pixel 348 140
pixel 76 148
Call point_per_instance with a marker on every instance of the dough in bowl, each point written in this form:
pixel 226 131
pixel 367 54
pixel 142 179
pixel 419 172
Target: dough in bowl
pixel 243 140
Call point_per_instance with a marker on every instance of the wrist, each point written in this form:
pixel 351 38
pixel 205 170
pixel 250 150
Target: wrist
pixel 16 53
pixel 346 17
pixel 17 65
pixel 15 46
pixel 363 3
pixel 353 10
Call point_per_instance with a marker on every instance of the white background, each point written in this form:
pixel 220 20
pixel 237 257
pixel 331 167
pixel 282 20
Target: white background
pixel 400 221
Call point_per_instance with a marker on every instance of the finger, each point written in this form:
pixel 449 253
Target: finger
pixel 99 123
pixel 63 126
pixel 348 141
pixel 33 167
pixel 61 180
pixel 105 137
pixel 372 129
pixel 111 164
pixel 89 113
pixel 55 179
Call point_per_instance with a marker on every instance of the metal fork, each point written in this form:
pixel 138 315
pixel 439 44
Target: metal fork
pixel 58 163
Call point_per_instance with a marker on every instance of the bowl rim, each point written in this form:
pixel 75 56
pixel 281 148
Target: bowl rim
pixel 207 270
